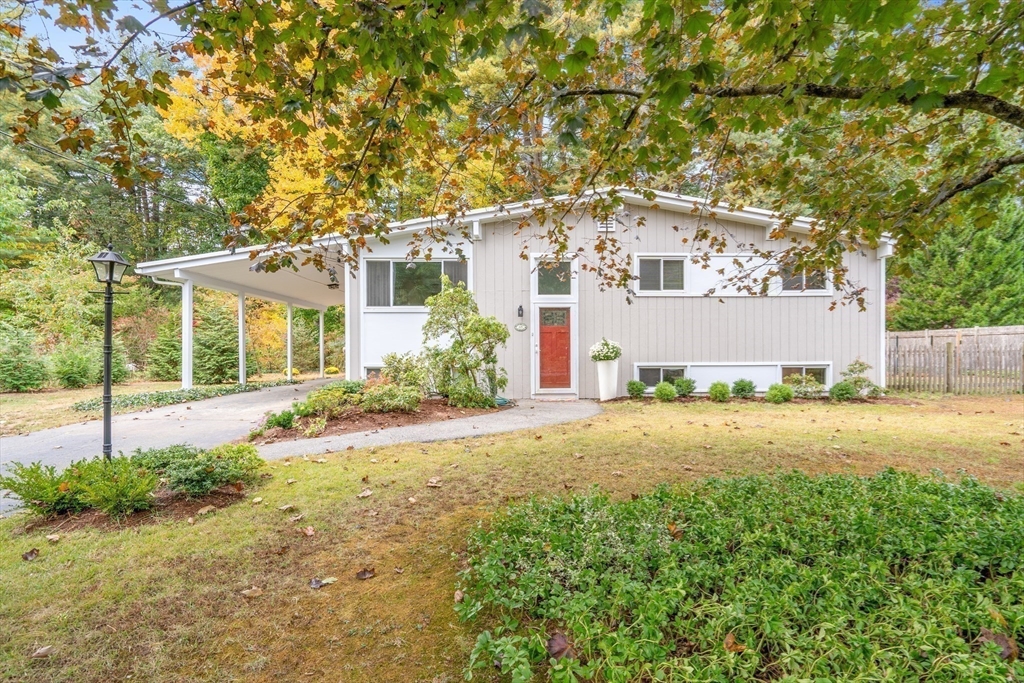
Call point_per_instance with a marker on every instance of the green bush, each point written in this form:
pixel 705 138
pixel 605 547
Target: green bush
pixel 664 391
pixel 302 409
pixel 805 386
pixel 118 362
pixel 159 459
pixel 779 393
pixel 855 377
pixel 352 386
pixel 390 398
pixel 202 473
pixel 164 359
pixel 404 369
pixel 743 388
pixel 719 391
pixel 216 348
pixel 829 578
pixel 45 490
pixel 332 399
pixel 120 487
pixel 20 368
pixel 73 367
pixel 685 386
pixel 635 388
pixel 464 393
pixel 842 391
pixel 285 420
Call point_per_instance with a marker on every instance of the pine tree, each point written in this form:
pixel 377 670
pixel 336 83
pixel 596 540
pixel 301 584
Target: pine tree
pixel 216 348
pixel 164 359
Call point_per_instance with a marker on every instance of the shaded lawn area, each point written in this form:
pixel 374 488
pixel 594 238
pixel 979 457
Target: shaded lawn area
pixel 22 413
pixel 163 602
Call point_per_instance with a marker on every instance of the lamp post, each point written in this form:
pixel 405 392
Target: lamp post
pixel 110 268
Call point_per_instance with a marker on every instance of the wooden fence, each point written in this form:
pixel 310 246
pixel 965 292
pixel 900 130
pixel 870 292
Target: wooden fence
pixel 1009 337
pixel 956 369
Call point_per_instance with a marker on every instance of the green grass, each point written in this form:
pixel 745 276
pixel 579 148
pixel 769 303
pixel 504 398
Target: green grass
pixel 163 602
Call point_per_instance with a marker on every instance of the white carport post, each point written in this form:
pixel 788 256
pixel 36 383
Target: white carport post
pixel 321 344
pixel 288 343
pixel 186 334
pixel 241 338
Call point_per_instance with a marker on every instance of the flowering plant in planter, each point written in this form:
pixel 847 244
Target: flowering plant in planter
pixel 605 350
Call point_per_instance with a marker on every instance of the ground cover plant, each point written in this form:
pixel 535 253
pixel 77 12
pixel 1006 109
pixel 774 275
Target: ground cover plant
pixel 156 399
pixel 162 601
pixel 896 577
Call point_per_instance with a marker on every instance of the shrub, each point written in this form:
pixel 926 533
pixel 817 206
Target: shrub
pixel 315 427
pixel 719 391
pixel 464 393
pixel 158 459
pixel 857 574
pixel 842 391
pixel 45 490
pixel 664 391
pixel 120 487
pixel 635 388
pixel 805 386
pixel 73 367
pixel 228 464
pixel 164 359
pixel 605 350
pixel 331 370
pixel 779 393
pixel 285 420
pixel 118 362
pixel 855 377
pixel 352 386
pixel 744 388
pixel 20 368
pixel 332 399
pixel 404 369
pixel 390 398
pixel 685 386
pixel 216 347
pixel 302 409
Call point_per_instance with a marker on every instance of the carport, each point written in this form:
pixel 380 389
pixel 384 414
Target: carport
pixel 237 272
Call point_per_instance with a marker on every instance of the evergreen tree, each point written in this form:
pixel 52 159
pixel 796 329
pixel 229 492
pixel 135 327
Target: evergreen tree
pixel 216 348
pixel 164 360
pixel 970 276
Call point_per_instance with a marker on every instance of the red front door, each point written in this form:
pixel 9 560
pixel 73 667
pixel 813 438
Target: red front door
pixel 555 349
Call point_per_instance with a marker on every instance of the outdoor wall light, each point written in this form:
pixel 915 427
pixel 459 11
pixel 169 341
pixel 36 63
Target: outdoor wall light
pixel 520 311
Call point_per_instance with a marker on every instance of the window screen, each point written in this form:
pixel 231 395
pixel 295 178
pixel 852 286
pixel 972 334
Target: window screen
pixel 378 283
pixel 650 275
pixel 651 376
pixel 661 275
pixel 818 373
pixel 672 278
pixel 415 282
pixel 800 282
pixel 554 280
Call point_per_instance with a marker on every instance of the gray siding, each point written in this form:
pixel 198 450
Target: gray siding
pixel 728 329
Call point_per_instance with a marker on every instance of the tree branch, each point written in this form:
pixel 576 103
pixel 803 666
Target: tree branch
pixel 948 191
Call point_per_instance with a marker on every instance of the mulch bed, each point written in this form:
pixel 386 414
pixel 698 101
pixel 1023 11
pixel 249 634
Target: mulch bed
pixel 169 506
pixel 355 420
pixel 760 399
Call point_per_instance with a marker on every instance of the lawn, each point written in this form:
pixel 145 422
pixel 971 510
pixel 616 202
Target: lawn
pixel 21 413
pixel 164 602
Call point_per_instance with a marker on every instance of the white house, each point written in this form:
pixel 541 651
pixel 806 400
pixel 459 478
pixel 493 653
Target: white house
pixel 669 328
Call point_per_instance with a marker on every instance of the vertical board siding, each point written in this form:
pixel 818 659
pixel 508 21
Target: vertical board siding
pixel 687 329
pixel 957 369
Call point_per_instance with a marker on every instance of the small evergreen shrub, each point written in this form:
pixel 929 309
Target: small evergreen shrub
pixel 46 491
pixel 718 391
pixel 332 399
pixel 779 393
pixel 159 459
pixel 743 388
pixel 120 487
pixel 404 369
pixel 842 391
pixel 664 391
pixel 73 367
pixel 20 368
pixel 216 348
pixel 685 386
pixel 118 362
pixel 635 388
pixel 805 386
pixel 285 420
pixel 351 386
pixel 228 464
pixel 390 398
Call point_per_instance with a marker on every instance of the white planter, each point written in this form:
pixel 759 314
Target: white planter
pixel 607 378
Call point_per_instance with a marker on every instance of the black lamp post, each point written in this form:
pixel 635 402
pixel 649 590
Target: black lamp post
pixel 110 268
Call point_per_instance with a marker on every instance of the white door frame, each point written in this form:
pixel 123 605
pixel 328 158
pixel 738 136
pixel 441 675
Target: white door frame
pixel 573 348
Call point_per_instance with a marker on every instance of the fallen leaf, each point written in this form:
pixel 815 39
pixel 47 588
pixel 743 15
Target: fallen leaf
pixel 399 570
pixel 257 500
pixel 30 555
pixel 308 531
pixel 374 460
pixel 253 592
pixel 366 479
pixel 53 538
pixel 618 473
pixel 997 615
pixel 459 596
pixel 539 437
pixel 675 531
pixel 578 456
pixel 365 493
pixel 43 652
pixel 321 460
pixel 558 646
pixel 296 518
pixel 191 520
pixel 350 448
pixel 434 482
pixel 365 574
pixel 1007 645
pixel 731 645
pixel 286 508
pixel 206 510
pixel 320 583
pixel 287 463
pixel 412 500
pixel 291 481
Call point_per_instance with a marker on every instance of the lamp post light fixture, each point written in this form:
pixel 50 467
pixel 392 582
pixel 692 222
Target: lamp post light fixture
pixel 110 268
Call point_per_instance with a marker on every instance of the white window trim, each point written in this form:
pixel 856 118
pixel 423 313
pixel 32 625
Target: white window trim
pixel 574 283
pixel 689 267
pixel 778 365
pixel 402 309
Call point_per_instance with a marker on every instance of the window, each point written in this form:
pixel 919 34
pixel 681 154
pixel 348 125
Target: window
pixel 804 281
pixel 554 280
pixel 817 372
pixel 661 274
pixel 373 373
pixel 409 283
pixel 651 376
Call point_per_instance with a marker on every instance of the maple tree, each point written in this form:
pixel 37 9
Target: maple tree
pixel 876 117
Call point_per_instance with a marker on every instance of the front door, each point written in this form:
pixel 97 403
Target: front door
pixel 555 349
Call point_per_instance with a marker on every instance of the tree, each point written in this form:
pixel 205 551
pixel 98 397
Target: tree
pixel 216 348
pixel 969 276
pixel 599 92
